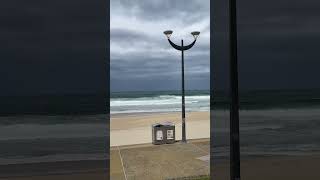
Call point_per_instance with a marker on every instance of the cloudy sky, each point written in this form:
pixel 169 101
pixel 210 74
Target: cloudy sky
pixel 59 46
pixel 141 57
pixel 278 44
pixel 52 47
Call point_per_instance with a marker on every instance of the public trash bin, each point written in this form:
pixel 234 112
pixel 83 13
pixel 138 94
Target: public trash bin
pixel 163 133
pixel 170 133
pixel 157 134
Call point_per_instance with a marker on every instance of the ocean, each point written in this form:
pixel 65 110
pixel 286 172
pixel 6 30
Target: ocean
pixel 53 128
pixel 199 100
pixel 271 122
pixel 44 138
pixel 158 101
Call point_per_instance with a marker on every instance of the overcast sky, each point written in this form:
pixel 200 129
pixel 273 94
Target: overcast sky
pixel 60 46
pixel 278 44
pixel 52 47
pixel 141 57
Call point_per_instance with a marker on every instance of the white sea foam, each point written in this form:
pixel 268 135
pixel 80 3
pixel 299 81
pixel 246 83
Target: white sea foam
pixel 162 103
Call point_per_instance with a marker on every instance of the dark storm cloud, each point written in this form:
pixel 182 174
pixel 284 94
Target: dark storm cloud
pixel 141 57
pixel 52 46
pixel 277 45
pixel 157 68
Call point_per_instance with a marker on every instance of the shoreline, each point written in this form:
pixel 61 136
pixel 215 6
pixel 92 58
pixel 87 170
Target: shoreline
pixel 134 120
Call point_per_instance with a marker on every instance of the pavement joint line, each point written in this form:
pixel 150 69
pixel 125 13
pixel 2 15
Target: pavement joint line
pixel 200 148
pixel 124 172
pixel 202 151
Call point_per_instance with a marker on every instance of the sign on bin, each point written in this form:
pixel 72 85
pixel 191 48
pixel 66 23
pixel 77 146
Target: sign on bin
pixel 170 134
pixel 159 135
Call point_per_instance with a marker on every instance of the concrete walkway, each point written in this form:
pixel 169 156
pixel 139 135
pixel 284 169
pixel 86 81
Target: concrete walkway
pixel 158 162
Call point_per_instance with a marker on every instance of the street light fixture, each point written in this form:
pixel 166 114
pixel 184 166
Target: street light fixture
pixel 195 34
pixel 182 48
pixel 168 33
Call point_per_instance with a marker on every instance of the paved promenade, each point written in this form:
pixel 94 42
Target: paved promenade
pixel 159 162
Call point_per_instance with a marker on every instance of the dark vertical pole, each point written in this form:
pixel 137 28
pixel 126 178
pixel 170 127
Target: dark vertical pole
pixel 234 107
pixel 184 139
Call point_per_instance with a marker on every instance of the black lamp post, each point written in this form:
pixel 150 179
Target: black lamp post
pixel 182 49
pixel 234 105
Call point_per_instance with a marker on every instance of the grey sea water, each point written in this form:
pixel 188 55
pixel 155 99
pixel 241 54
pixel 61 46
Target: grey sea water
pixel 271 122
pixel 36 141
pixel 274 122
pixel 51 128
pixel 158 101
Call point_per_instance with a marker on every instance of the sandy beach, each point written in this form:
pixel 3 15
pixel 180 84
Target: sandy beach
pixel 136 128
